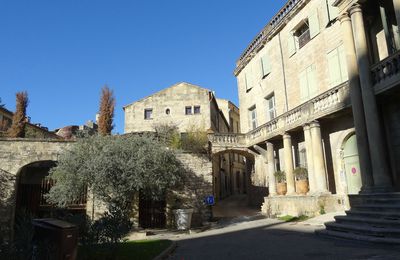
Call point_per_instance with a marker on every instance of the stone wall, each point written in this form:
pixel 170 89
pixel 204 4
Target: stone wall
pixel 16 153
pixel 7 202
pixel 311 205
pixel 198 185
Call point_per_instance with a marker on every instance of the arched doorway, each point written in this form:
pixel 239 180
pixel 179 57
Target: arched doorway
pixel 232 185
pixel 32 186
pixel 352 165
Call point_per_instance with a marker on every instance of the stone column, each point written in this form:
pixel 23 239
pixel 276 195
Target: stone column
pixel 288 158
pixel 380 169
pixel 318 157
pixel 271 169
pixel 396 4
pixel 310 159
pixel 357 104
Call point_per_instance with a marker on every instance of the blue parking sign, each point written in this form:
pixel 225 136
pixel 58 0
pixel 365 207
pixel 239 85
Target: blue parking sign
pixel 209 200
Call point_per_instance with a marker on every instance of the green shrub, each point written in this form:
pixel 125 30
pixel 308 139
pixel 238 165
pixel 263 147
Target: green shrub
pixel 280 176
pixel 300 173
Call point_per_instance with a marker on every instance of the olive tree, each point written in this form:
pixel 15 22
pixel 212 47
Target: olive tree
pixel 114 168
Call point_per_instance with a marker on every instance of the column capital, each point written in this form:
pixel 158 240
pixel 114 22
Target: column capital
pixel 355 9
pixel 286 136
pixel 306 127
pixel 314 124
pixel 269 144
pixel 344 17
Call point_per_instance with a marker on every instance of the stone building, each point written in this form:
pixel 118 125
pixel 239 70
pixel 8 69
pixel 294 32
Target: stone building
pixel 192 108
pixel 31 130
pixel 318 89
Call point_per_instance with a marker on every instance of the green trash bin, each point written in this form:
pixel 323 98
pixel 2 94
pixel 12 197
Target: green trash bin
pixel 57 237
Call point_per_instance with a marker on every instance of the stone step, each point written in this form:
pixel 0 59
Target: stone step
pixel 368 221
pixel 352 236
pixel 377 207
pixel 370 200
pixel 376 195
pixel 364 230
pixel 374 214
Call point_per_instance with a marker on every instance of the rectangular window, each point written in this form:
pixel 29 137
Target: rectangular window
pixel 271 112
pixel 337 66
pixel 196 109
pixel 148 113
pixel 303 35
pixel 308 83
pixel 253 117
pixel 304 32
pixel 188 110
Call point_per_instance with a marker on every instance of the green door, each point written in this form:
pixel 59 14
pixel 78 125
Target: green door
pixel 352 166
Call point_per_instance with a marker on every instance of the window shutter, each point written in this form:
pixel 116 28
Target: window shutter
pixel 265 66
pixel 303 85
pixel 325 13
pixel 313 24
pixel 343 63
pixel 333 11
pixel 312 81
pixel 334 68
pixel 291 44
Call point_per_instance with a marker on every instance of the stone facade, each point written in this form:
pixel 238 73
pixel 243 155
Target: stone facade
pixel 309 98
pixel 168 106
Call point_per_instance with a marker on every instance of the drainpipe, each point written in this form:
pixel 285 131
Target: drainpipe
pixel 283 73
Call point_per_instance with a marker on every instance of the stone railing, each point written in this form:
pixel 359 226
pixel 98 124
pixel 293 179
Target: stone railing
pixel 327 103
pixel 227 139
pixel 386 73
pixel 326 100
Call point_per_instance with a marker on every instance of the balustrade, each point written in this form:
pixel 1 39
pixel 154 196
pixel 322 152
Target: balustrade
pixel 386 69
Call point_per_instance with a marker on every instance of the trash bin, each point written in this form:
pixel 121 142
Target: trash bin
pixel 59 238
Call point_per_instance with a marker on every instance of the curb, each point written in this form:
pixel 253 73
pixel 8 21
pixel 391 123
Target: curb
pixel 167 251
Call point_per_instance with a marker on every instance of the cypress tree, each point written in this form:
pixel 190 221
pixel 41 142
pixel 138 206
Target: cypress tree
pixel 106 113
pixel 17 128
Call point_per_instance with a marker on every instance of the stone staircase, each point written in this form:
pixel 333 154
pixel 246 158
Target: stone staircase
pixel 372 218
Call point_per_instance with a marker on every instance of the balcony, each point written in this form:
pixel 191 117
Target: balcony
pixel 325 104
pixel 386 74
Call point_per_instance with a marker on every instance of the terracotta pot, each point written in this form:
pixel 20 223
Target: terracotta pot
pixel 302 187
pixel 281 188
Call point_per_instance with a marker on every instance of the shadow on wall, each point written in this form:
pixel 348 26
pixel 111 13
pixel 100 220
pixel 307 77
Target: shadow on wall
pixel 196 187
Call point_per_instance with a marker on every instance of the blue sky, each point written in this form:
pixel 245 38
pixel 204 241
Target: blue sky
pixel 63 52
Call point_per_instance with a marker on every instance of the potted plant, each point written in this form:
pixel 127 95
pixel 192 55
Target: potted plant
pixel 280 177
pixel 182 214
pixel 301 176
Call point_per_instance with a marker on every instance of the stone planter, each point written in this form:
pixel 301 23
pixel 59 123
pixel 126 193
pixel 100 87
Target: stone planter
pixel 281 188
pixel 183 218
pixel 302 187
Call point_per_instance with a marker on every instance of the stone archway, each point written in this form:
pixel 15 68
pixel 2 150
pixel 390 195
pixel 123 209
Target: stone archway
pixel 16 153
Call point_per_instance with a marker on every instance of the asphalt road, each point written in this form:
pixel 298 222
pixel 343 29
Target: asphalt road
pixel 271 239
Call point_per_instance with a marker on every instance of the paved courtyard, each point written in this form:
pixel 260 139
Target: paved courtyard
pixel 272 239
